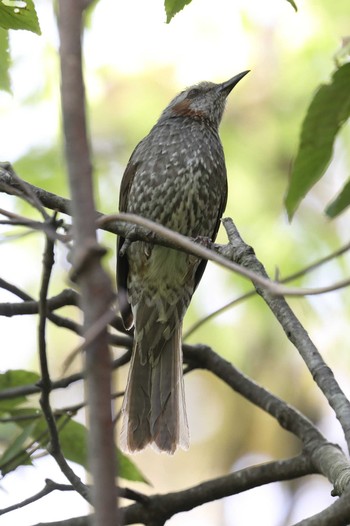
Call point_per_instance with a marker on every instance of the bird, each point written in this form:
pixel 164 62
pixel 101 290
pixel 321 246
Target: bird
pixel 176 176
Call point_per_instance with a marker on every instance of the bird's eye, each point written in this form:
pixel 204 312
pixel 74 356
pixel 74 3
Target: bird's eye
pixel 193 93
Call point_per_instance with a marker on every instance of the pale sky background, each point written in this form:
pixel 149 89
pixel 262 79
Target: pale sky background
pixel 205 42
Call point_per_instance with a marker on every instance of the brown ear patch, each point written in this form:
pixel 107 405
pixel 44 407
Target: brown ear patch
pixel 183 109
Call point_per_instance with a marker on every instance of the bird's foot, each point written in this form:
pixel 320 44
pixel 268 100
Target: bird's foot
pixel 204 241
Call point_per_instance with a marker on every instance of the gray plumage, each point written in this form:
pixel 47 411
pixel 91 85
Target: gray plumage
pixel 176 176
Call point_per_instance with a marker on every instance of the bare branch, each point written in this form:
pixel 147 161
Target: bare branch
pixel 217 312
pixel 9 185
pixel 250 294
pixel 30 389
pixel 95 285
pixel 64 298
pixel 49 487
pixel 159 508
pixel 45 383
pixel 46 226
pixel 89 336
pixel 327 458
pixel 27 193
pixel 337 514
pixel 295 332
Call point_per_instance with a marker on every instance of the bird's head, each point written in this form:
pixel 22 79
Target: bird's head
pixel 204 101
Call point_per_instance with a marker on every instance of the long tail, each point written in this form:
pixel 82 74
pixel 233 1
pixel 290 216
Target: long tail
pixel 154 403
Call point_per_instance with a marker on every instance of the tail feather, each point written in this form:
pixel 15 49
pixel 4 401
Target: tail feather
pixel 154 402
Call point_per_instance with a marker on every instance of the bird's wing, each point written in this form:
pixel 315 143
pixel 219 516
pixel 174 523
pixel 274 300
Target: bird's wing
pixel 122 261
pixel 203 263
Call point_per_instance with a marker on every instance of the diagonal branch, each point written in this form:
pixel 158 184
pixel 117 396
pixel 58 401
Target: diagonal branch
pixel 337 514
pixel 327 458
pixel 49 487
pixel 322 374
pixel 159 508
pixel 302 272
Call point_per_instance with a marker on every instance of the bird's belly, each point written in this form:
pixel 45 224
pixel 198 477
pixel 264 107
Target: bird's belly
pixel 161 279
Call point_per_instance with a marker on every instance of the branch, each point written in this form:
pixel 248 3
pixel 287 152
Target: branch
pixel 63 299
pixel 45 383
pixel 159 508
pixel 337 514
pixel 66 297
pixel 294 330
pixel 251 293
pixel 95 285
pixel 25 390
pixel 9 185
pixel 327 458
pixel 287 417
pixel 49 487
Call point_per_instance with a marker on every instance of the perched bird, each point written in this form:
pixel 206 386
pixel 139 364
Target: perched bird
pixel 176 176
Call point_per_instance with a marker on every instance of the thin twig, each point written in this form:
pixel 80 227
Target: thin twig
pixel 49 487
pixel 9 185
pixel 45 383
pixel 89 336
pixel 66 297
pixel 296 275
pixel 29 195
pixel 157 509
pixel 25 390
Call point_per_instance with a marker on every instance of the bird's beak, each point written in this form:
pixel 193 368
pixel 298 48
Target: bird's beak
pixel 227 86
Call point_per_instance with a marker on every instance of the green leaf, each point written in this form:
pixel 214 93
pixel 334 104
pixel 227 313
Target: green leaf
pixel 72 435
pixel 5 61
pixel 19 14
pixel 341 202
pixel 15 455
pixel 15 378
pixel 172 7
pixel 328 111
pixel 293 4
pixel 73 441
pixel 343 53
pixel 128 470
